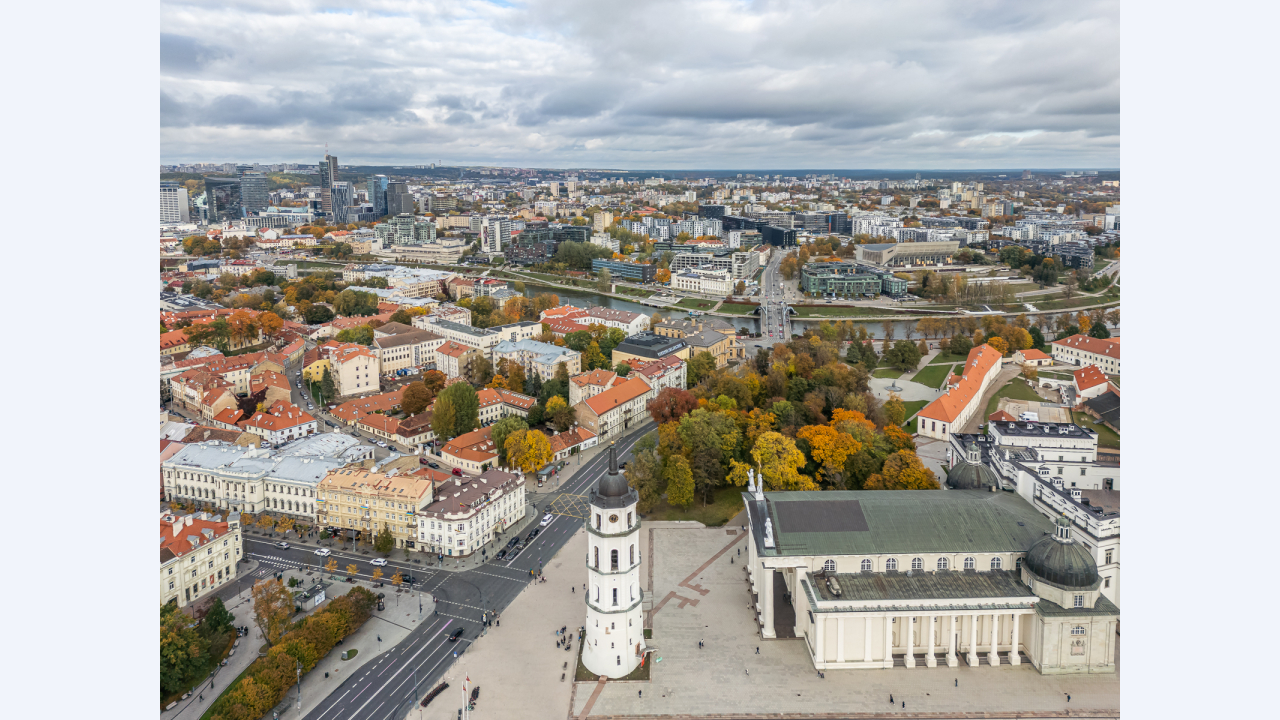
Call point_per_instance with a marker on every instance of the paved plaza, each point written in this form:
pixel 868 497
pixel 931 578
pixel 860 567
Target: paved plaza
pixel 700 595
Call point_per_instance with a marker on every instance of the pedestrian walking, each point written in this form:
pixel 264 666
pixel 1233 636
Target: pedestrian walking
pixel 890 698
pixel 574 588
pixel 748 672
pixel 639 693
pixel 957 682
pixel 1068 698
pixel 904 704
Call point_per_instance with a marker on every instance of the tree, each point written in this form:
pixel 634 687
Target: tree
pixel 352 569
pixel 434 381
pixel 671 404
pixel 385 542
pixel 466 409
pixel 679 482
pixel 327 389
pixel 1018 338
pixel 218 619
pixel 559 414
pixel 415 399
pixel 593 359
pixel 1031 374
pixel 355 302
pixel 562 376
pixel 894 411
pixel 605 284
pixel 830 449
pixel 401 316
pixel 1100 331
pixel 269 323
pixel 904 355
pixel 397 578
pixel 1000 344
pixel 700 366
pixel 578 341
pixel 902 471
pixel 480 372
pixel 376 575
pixel 444 417
pixel 362 334
pixel 622 369
pixel 645 474
pixel 182 648
pixel 780 461
pixel 662 276
pixel 740 288
pixel 528 450
pixel 272 607
pixel 515 377
pixel 317 315
pixel 497 383
pixel 503 429
pixel 1037 337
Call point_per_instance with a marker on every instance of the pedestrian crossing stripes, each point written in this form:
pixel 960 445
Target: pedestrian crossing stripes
pixel 521 579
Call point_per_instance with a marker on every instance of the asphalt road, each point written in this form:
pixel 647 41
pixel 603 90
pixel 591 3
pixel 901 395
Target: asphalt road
pixel 385 689
pixel 773 315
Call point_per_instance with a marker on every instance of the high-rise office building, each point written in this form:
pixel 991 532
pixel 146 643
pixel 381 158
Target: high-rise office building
pixel 173 203
pixel 328 176
pixel 253 191
pixel 222 199
pixel 399 200
pixel 376 187
pixel 495 235
pixel 342 197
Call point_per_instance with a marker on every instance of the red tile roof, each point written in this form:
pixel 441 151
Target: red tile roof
pixel 353 410
pixel 280 416
pixel 600 377
pixel 180 540
pixel 1091 344
pixel 1089 376
pixel 568 439
pixel 617 395
pixel 1033 354
pixel 949 406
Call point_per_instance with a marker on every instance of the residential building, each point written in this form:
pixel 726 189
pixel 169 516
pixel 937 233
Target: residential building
pixel 951 411
pixel 353 411
pixel 670 371
pixel 707 282
pixel 454 359
pixel 484 339
pixel 174 204
pixel 198 553
pixel 409 432
pixel 354 368
pixel 846 279
pixel 472 452
pixel 1086 350
pixel 590 384
pixel 404 347
pixel 630 323
pixel 962 572
pixel 470 512
pixel 539 357
pixel 497 403
pixel 611 412
pixel 1032 358
pixel 602 221
pixel 360 503
pixel 575 440
pixel 1089 382
pixel 622 270
pixel 723 347
pixel 280 423
pixel 649 345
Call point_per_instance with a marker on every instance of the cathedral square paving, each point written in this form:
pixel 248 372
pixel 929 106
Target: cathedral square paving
pixel 709 602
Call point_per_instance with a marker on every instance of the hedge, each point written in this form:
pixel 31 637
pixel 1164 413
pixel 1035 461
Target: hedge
pixel 265 683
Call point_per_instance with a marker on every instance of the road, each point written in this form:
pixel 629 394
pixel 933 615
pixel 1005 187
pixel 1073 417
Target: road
pixel 775 324
pixel 385 689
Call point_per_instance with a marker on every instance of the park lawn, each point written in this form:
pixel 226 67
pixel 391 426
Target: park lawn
pixel 727 502
pixel 1016 389
pixel 887 373
pixel 737 308
pixel 1107 437
pixel 948 358
pixel 932 375
pixel 697 303
pixel 1054 375
pixel 912 407
pixel 637 292
pixel 1115 379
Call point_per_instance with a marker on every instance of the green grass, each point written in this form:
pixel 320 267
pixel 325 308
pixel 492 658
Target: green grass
pixel 912 407
pixel 697 303
pixel 727 502
pixel 948 358
pixel 1107 437
pixel 737 308
pixel 1016 389
pixel 932 375
pixel 637 292
pixel 1054 375
pixel 1114 379
pixel 887 373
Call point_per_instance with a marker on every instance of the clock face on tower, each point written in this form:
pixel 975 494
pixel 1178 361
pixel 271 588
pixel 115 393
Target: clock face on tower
pixel 613 518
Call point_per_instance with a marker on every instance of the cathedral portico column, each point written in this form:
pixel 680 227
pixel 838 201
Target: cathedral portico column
pixel 973 640
pixel 993 657
pixel 840 639
pixel 888 641
pixel 929 659
pixel 1013 651
pixel 766 597
pixel 952 661
pixel 907 627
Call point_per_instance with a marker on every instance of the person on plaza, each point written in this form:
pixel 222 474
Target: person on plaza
pixel 890 698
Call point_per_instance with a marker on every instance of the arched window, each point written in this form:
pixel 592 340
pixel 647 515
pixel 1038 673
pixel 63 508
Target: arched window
pixel 632 561
pixel 996 563
pixel 968 563
pixel 829 566
pixel 943 563
pixel 1017 564
pixel 917 564
pixel 597 558
pixel 1077 630
pixel 891 564
pixel 613 559
pixel 866 566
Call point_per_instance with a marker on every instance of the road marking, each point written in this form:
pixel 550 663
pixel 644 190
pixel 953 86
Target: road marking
pixel 335 704
pixel 393 677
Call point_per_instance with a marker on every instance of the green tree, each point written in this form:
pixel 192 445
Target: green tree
pixel 622 369
pixel 904 355
pixel 415 399
pixel 593 359
pixel 645 474
pixel 466 408
pixel 562 376
pixel 605 283
pixel 501 430
pixel 317 315
pixel 961 344
pixel 401 316
pixel 700 366
pixel 444 417
pixel 385 542
pixel 328 390
pixel 559 414
pixel 578 341
pixel 679 479
pixel 480 372
pixel 182 649
pixel 218 619
pixel 362 334
pixel 1100 331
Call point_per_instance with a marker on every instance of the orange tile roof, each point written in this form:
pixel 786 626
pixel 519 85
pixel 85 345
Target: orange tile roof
pixel 476 446
pixel 179 542
pixel 280 416
pixel 1001 416
pixel 1033 354
pixel 454 349
pixel 595 377
pixel 229 416
pixel 564 312
pixel 1089 376
pixel 355 409
pixel 949 406
pixel 566 440
pixel 617 395
pixel 1091 344
pixel 173 339
pixel 385 423
pixel 654 368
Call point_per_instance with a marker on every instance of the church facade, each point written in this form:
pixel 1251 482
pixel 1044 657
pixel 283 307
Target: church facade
pixel 874 579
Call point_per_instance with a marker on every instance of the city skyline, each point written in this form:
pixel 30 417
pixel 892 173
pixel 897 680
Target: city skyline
pixel 701 85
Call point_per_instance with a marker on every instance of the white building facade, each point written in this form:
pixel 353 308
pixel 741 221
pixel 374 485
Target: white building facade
pixel 614 642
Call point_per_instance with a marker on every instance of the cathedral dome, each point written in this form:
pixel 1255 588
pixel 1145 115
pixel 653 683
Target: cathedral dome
pixel 970 473
pixel 1060 560
pixel 613 490
pixel 613 486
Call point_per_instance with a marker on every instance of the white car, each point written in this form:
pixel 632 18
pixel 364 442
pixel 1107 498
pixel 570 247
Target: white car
pixel 378 561
pixel 546 520
pixel 381 444
pixel 323 552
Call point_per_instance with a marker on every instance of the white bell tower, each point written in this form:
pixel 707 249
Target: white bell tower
pixel 614 639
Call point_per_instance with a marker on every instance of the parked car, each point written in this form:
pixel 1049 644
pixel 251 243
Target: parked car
pixel 501 554
pixel 433 466
pixel 323 552
pixel 532 534
pixel 456 471
pixel 423 461
pixel 512 542
pixel 378 561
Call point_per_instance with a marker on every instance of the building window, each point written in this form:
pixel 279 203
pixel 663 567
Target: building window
pixel 1078 602
pixel 866 566
pixel 829 566
pixel 1077 630
pixel 1106 582
pixel 968 563
pixel 943 563
pixel 891 564
pixel 1106 558
pixel 615 596
pixel 996 563
pixel 917 564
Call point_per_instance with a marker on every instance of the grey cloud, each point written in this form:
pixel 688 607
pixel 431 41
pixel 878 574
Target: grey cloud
pixel 180 54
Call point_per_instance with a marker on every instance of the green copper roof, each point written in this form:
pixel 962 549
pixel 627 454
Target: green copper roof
pixel 865 522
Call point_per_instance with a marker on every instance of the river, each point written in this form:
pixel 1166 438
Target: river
pixel 586 298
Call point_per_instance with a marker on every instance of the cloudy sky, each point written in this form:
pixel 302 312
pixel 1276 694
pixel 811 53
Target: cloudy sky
pixel 644 84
